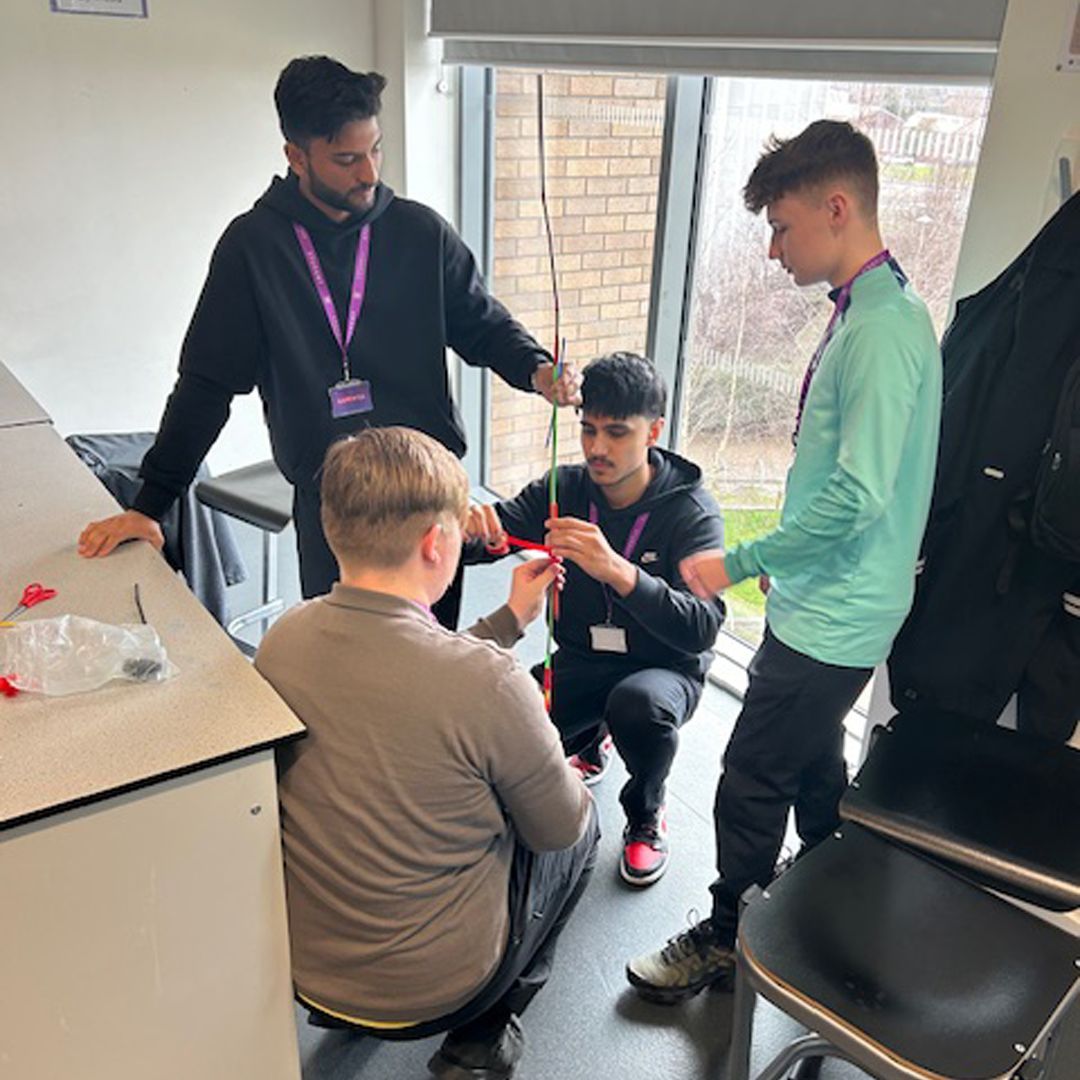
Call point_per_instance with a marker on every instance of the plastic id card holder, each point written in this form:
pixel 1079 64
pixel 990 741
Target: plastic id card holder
pixel 350 397
pixel 607 638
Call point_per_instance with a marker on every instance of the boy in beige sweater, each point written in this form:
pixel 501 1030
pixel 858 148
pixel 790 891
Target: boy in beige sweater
pixel 435 838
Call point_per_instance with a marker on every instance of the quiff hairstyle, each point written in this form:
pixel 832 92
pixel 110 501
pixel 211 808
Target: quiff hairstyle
pixel 317 96
pixel 825 152
pixel 623 384
pixel 382 489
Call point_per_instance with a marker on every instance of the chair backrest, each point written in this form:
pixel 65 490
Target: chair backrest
pixel 999 804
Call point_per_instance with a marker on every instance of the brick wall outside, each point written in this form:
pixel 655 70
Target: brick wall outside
pixel 603 145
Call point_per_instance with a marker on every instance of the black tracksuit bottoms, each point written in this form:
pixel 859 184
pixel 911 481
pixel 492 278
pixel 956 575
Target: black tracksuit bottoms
pixel 642 708
pixel 786 751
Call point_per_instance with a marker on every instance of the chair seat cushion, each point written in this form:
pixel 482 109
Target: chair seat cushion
pixel 257 494
pixel 1003 804
pixel 893 958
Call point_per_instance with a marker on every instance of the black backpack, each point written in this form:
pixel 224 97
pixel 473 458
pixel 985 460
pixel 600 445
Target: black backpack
pixel 1055 511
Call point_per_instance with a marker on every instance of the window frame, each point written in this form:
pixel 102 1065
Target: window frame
pixel 688 106
pixel 685 150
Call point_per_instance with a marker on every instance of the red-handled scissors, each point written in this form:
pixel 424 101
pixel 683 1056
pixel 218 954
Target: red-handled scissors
pixel 35 593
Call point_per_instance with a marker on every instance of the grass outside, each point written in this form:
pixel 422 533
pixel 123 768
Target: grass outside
pixel 745 601
pixel 908 172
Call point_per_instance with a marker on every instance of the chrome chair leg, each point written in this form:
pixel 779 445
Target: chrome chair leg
pixel 742 1027
pixel 812 1047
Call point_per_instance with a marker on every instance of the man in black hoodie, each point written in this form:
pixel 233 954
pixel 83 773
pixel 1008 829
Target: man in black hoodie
pixel 337 300
pixel 634 642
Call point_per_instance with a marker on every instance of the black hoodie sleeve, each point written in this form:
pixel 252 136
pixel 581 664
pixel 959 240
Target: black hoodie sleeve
pixel 671 613
pixel 522 516
pixel 219 359
pixel 478 328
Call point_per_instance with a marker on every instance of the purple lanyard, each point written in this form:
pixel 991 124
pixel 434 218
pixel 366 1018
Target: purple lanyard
pixel 426 609
pixel 356 296
pixel 841 299
pixel 635 530
pixel 628 548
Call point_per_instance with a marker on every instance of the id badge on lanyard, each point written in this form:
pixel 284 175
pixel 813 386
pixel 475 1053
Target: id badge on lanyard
pixel 606 636
pixel 349 397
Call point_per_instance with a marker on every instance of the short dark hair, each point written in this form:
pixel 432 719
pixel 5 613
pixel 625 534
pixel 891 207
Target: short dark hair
pixel 827 150
pixel 316 97
pixel 623 384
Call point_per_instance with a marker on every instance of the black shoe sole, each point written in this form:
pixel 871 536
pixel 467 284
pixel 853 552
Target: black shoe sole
pixel 671 995
pixel 642 881
pixel 451 1070
pixel 667 997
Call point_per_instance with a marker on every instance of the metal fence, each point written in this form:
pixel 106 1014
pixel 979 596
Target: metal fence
pixel 911 144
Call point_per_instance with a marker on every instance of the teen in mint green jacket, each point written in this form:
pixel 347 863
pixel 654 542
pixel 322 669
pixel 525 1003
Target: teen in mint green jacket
pixel 842 561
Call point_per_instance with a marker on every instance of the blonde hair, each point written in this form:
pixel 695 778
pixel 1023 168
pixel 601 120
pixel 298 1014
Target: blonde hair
pixel 382 489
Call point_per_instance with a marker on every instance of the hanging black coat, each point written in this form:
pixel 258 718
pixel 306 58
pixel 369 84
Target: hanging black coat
pixel 989 607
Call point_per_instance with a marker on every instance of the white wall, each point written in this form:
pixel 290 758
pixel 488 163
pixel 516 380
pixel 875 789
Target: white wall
pixel 1034 118
pixel 128 146
pixel 420 112
pixel 419 107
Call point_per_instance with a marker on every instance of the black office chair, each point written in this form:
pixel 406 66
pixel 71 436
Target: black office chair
pixel 886 943
pixel 198 543
pixel 258 495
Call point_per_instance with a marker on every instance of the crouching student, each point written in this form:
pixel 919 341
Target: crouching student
pixel 634 644
pixel 435 838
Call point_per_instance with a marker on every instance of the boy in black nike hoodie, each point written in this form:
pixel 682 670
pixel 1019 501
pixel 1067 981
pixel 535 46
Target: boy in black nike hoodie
pixel 634 643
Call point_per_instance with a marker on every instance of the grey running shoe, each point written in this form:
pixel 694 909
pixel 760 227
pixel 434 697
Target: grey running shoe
pixel 463 1059
pixel 688 963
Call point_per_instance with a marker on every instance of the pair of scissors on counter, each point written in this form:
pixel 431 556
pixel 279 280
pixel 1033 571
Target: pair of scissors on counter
pixel 35 593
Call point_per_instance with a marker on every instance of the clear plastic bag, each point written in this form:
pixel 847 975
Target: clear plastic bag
pixel 70 654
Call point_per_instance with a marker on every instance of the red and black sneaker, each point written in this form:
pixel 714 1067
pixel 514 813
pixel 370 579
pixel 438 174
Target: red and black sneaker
pixel 594 761
pixel 645 851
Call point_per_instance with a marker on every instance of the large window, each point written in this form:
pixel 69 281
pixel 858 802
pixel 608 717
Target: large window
pixel 603 149
pixel 751 331
pixel 632 219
